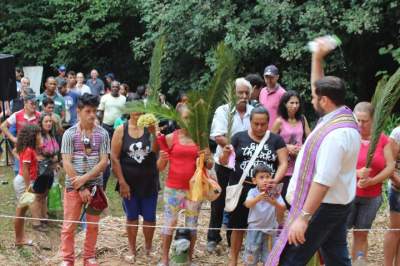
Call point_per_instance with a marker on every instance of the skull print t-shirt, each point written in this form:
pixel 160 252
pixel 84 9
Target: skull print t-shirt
pixel 139 164
pixel 245 147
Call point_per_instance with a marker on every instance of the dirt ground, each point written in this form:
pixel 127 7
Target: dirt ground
pixel 112 241
pixel 112 245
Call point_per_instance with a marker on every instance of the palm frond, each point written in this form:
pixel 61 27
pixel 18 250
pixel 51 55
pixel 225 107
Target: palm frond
pixel 225 70
pixel 203 103
pixel 155 108
pixel 230 99
pixel 379 90
pixel 384 106
pixel 155 68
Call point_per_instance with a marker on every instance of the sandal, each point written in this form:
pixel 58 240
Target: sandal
pixel 90 262
pixel 130 259
pixel 25 243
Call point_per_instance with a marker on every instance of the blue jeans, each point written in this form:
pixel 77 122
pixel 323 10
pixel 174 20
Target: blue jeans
pixel 326 232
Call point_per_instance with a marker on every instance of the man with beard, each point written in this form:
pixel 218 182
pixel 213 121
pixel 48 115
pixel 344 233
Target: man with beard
pixel 219 130
pixel 323 185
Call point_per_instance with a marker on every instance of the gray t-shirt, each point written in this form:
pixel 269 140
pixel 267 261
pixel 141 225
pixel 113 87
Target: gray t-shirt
pixel 72 144
pixel 263 214
pixel 97 87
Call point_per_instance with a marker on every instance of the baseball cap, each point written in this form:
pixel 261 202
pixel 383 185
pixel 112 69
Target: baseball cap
pixel 30 97
pixel 271 70
pixel 110 75
pixel 62 68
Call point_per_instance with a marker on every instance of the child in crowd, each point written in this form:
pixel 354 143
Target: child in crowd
pixel 28 141
pixel 267 209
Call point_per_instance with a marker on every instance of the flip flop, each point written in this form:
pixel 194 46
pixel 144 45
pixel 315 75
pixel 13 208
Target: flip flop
pixel 25 243
pixel 130 259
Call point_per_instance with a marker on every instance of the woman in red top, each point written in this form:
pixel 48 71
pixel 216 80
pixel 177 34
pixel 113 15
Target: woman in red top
pixel 369 186
pixel 182 154
pixel 28 141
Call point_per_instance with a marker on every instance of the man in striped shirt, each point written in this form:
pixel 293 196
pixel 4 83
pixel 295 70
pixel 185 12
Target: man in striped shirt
pixel 85 148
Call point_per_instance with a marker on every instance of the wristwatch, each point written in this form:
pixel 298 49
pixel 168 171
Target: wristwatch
pixel 305 215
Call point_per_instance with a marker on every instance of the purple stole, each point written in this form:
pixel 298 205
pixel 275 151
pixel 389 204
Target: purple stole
pixel 343 118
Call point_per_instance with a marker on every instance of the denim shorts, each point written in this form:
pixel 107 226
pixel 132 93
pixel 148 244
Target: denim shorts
pixel 143 206
pixel 363 212
pixel 394 199
pixel 257 247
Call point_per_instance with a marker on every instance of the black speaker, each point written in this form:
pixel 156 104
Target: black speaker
pixel 8 85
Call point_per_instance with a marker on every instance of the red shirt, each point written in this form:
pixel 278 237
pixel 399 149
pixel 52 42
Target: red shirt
pixel 377 165
pixel 22 121
pixel 182 160
pixel 29 156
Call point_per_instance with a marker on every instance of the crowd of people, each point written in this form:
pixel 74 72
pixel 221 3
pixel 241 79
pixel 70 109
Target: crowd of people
pixel 317 177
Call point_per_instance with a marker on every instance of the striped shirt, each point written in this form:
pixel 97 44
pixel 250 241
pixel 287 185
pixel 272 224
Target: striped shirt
pixel 72 144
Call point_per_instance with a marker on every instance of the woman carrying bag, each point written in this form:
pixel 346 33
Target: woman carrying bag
pixel 273 154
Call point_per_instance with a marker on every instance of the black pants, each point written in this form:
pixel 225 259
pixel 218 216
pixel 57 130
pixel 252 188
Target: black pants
pixel 107 171
pixel 285 182
pixel 218 205
pixel 326 232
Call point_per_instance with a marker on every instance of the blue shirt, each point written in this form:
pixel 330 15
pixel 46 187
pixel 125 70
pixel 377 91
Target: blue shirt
pixel 71 103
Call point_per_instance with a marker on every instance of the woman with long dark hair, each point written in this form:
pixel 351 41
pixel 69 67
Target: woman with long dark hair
pixel 48 157
pixel 28 141
pixel 293 127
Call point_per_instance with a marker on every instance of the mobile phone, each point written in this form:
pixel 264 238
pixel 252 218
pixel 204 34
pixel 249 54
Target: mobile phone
pixel 274 191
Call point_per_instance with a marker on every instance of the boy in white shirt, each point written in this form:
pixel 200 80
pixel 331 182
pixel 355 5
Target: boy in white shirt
pixel 267 210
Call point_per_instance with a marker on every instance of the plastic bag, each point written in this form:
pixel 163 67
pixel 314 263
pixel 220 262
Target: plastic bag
pixel 26 199
pixel 202 186
pixel 54 198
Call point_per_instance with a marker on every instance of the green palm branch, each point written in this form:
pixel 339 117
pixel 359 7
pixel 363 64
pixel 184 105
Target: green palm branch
pixel 202 103
pixel 384 105
pixel 379 90
pixel 155 68
pixel 230 99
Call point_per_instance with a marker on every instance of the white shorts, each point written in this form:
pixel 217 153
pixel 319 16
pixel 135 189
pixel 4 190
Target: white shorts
pixel 19 186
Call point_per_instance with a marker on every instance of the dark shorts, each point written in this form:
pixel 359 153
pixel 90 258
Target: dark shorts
pixel 42 184
pixel 363 212
pixel 143 206
pixel 238 217
pixel 394 199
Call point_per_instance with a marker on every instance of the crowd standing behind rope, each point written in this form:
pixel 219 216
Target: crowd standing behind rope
pixel 83 122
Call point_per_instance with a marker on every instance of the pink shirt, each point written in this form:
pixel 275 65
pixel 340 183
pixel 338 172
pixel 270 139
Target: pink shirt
pixel 291 134
pixel 270 100
pixel 377 165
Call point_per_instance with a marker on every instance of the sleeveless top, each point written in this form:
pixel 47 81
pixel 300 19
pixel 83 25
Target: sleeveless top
pixel 139 164
pixel 291 134
pixel 182 159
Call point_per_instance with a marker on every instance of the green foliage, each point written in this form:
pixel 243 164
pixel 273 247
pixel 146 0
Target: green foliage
pixel 119 36
pixel 230 99
pixel 155 68
pixel 391 122
pixel 202 103
pixel 385 104
pixel 80 34
pixel 264 32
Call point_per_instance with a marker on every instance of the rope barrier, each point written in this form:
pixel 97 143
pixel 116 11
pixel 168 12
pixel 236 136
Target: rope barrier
pixel 112 226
